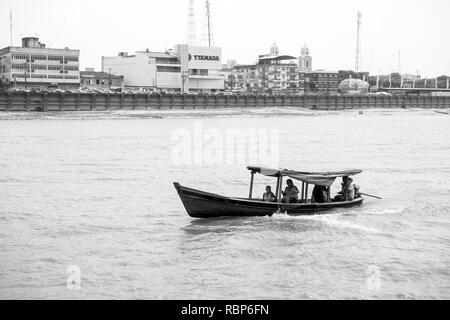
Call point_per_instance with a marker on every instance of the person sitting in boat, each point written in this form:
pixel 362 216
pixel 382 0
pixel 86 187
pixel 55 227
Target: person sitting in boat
pixel 290 193
pixel 347 188
pixel 319 195
pixel 269 196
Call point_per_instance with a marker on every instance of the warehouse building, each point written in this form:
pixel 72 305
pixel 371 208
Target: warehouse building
pixel 186 68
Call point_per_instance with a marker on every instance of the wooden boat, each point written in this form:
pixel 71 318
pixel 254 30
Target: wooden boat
pixel 200 204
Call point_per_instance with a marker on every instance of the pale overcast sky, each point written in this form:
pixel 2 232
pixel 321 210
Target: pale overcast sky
pixel 244 29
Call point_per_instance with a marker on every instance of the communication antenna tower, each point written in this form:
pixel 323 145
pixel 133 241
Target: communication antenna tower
pixel 358 43
pixel 10 27
pixel 208 39
pixel 191 32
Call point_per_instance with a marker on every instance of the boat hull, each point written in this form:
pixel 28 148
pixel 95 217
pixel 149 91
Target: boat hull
pixel 200 204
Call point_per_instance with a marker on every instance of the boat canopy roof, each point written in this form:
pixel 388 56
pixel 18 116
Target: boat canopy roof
pixel 316 178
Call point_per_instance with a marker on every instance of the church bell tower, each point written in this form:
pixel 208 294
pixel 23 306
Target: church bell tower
pixel 305 60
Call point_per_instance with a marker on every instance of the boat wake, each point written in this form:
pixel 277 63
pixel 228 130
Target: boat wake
pixel 388 211
pixel 333 220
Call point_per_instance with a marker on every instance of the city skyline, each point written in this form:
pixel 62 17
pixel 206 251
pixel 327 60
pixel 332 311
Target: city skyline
pixel 246 29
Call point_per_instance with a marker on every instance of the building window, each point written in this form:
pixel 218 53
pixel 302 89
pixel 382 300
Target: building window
pixel 20 66
pixel 167 61
pixel 55 58
pixel 54 68
pixel 168 69
pixel 39 67
pixel 20 56
pixel 71 58
pixel 38 57
pixel 199 72
pixel 38 76
pixel 71 68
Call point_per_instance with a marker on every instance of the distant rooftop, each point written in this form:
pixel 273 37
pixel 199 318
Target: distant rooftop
pixel 158 54
pixel 150 54
pixel 243 66
pixel 98 74
pixel 277 58
pixel 321 71
pixel 32 43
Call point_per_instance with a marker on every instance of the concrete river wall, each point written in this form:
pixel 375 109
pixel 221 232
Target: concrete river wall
pixel 42 101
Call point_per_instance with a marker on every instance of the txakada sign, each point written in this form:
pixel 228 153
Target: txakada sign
pixel 205 58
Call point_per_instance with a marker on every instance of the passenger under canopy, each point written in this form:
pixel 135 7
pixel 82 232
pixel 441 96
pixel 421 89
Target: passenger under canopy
pixel 316 178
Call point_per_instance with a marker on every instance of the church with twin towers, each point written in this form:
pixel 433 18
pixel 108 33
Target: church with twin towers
pixel 274 73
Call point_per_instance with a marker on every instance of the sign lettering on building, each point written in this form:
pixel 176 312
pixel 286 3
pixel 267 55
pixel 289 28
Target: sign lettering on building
pixel 204 58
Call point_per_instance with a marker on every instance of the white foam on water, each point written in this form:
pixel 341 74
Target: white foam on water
pixel 387 211
pixel 334 220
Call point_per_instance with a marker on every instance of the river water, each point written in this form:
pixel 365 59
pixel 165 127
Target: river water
pixel 88 209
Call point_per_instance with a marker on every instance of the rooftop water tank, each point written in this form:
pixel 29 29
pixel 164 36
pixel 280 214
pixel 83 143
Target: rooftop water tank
pixel 30 42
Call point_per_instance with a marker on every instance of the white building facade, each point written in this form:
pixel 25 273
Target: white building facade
pixel 35 66
pixel 187 68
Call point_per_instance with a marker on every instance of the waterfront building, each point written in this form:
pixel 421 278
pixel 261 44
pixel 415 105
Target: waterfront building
pixel 34 66
pixel 320 81
pixel 186 68
pixel 277 74
pixel 243 78
pixel 100 80
pixel 272 73
pixel 234 80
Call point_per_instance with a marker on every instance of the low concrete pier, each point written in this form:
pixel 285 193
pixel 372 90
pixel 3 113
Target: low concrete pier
pixel 46 101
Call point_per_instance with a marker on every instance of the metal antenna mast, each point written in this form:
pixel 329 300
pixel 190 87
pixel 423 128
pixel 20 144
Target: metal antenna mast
pixel 11 27
pixel 208 16
pixel 209 41
pixel 358 43
pixel 191 32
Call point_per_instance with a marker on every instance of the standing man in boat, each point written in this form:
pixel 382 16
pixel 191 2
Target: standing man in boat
pixel 290 193
pixel 348 190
